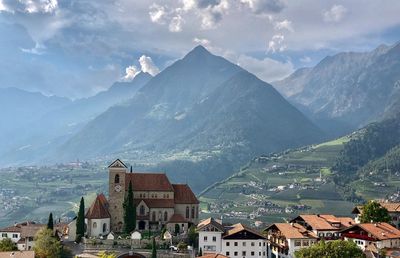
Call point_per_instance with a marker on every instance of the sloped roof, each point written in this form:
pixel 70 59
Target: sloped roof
pixel 13 229
pixel 380 231
pixel 210 221
pixel 31 230
pixel 156 203
pixel 148 182
pixel 390 206
pixel 239 227
pixel 292 230
pixel 98 209
pixel 117 163
pixel 176 218
pixel 324 221
pixel 184 195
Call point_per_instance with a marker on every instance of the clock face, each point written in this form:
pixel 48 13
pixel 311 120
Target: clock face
pixel 118 188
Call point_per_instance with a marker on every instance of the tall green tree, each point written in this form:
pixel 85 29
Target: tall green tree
pixel 50 223
pixel 46 245
pixel 80 221
pixel 154 249
pixel 6 245
pixel 331 249
pixel 192 235
pixel 374 212
pixel 129 211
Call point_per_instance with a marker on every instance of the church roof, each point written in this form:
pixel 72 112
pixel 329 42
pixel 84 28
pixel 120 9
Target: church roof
pixel 98 210
pixel 157 203
pixel 148 182
pixel 176 218
pixel 184 195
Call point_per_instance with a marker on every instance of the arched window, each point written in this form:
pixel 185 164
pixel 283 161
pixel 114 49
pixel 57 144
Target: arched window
pixel 165 216
pixel 104 227
pixel 116 180
pixel 159 215
pixel 94 225
pixel 193 212
pixel 153 217
pixel 187 212
pixel 142 210
pixel 197 212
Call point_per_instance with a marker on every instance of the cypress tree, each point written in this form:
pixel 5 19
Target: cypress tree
pixel 50 223
pixel 129 211
pixel 80 221
pixel 154 249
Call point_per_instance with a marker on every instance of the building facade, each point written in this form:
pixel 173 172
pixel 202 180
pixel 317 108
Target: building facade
pixel 158 202
pixel 392 207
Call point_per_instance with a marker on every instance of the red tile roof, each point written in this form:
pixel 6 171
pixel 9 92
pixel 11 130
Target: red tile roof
pixel 324 221
pixel 177 218
pixel 157 203
pixel 14 229
pixel 184 195
pixel 239 227
pixel 292 230
pixel 380 231
pixel 98 210
pixel 210 221
pixel 148 182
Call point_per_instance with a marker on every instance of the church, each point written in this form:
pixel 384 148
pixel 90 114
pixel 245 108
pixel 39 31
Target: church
pixel 158 203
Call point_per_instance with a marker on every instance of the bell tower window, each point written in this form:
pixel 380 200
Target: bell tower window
pixel 116 180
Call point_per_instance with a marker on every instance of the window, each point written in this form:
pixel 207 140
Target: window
pixel 187 212
pixel 252 244
pixel 142 210
pixel 235 253
pixel 243 253
pixel 227 243
pixel 259 253
pixel 252 253
pixel 306 243
pixel 15 235
pixel 104 227
pixel 165 216
pixel 153 217
pixel 159 215
pixel 235 244
pixel 205 239
pixel 116 179
pixel 94 225
pixel 214 239
pixel 297 243
pixel 4 235
pixel 227 253
pixel 244 243
pixel 193 212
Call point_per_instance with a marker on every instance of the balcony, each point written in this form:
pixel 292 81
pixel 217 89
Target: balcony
pixel 358 236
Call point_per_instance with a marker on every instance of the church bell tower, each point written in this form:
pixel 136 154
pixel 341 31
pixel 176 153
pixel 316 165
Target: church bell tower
pixel 116 182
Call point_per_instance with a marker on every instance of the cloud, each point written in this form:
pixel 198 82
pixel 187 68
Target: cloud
pixel 305 59
pixel 147 65
pixel 157 13
pixel 203 42
pixel 277 43
pixel 264 6
pixel 130 73
pixel 37 50
pixel 335 14
pixel 176 24
pixel 285 24
pixel 212 12
pixel 29 6
pixel 266 69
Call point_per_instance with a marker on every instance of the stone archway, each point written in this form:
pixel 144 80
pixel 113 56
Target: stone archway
pixel 142 225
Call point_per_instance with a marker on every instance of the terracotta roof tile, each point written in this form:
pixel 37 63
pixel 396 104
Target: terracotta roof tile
pixel 380 231
pixel 157 203
pixel 210 221
pixel 176 218
pixel 292 230
pixel 31 230
pixel 98 209
pixel 324 221
pixel 240 227
pixel 14 229
pixel 184 195
pixel 148 182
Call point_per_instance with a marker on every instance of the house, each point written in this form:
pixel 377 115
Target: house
pixel 392 207
pixel 22 234
pixel 381 235
pixel 324 225
pixel 97 218
pixel 233 241
pixel 286 238
pixel 18 254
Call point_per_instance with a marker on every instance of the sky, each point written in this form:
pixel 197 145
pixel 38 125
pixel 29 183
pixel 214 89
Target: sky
pixel 76 48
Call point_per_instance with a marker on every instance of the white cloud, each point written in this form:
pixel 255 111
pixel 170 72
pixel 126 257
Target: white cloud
pixel 188 4
pixel 264 6
pixel 203 42
pixel 266 69
pixel 157 13
pixel 29 6
pixel 212 12
pixel 285 24
pixel 130 73
pixel 176 24
pixel 37 50
pixel 335 14
pixel 277 43
pixel 147 65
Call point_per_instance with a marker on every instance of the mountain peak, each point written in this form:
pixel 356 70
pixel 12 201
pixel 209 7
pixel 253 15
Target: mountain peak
pixel 198 52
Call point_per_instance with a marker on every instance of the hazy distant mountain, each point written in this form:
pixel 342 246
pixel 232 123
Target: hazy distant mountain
pixel 349 89
pixel 200 103
pixel 43 128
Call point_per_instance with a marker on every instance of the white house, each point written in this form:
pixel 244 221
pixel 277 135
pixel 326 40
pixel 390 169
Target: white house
pixel 381 235
pixel 22 234
pixel 284 239
pixel 97 218
pixel 233 241
pixel 13 233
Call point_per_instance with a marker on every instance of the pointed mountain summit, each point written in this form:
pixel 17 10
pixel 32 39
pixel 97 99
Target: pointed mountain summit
pixel 201 103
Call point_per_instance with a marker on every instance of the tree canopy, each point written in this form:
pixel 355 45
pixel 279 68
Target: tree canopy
pixel 46 245
pixel 7 245
pixel 374 212
pixel 331 249
pixel 50 223
pixel 154 249
pixel 129 211
pixel 80 221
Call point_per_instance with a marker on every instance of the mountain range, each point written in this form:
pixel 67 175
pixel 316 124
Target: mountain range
pixel 348 90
